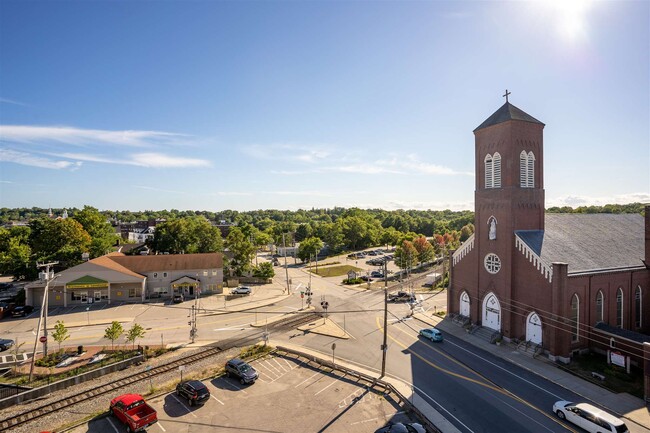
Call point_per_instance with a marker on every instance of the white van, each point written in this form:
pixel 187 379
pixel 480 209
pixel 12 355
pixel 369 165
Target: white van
pixel 589 417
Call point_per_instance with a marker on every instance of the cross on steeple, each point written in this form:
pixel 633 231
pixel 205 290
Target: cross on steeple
pixel 506 95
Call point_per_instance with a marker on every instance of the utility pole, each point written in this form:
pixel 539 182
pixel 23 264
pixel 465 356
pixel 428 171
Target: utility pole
pixel 384 346
pixel 46 276
pixel 286 270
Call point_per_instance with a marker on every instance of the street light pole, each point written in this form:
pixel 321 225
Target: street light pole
pixel 48 277
pixel 384 346
pixel 286 270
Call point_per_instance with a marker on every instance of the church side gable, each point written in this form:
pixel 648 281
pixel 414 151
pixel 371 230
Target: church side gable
pixel 536 260
pixel 463 250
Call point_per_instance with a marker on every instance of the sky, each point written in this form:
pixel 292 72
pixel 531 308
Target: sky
pixel 215 105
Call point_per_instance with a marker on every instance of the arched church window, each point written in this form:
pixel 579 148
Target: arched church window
pixel 637 307
pixel 489 179
pixel 526 169
pixel 523 169
pixel 492 228
pixel 599 306
pixel 619 307
pixel 492 263
pixel 531 170
pixel 575 317
pixel 497 170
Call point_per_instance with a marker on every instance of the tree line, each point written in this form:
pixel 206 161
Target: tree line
pixel 419 235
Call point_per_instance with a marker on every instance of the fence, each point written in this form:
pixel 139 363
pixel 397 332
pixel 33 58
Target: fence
pixel 65 383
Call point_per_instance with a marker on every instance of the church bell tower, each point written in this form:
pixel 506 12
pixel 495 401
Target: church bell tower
pixel 509 196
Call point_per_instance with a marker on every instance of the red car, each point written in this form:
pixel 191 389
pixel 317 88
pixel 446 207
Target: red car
pixel 134 412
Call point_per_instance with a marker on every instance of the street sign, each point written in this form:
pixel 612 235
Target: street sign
pixel 43 339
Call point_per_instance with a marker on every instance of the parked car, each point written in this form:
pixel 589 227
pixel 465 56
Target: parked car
pixel 432 334
pixel 241 290
pixel 589 417
pixel 377 274
pixel 133 411
pixel 398 427
pixel 365 278
pixel 194 391
pixel 178 298
pixel 22 310
pixel 241 370
pixel 6 344
pixel 372 253
pixel 401 297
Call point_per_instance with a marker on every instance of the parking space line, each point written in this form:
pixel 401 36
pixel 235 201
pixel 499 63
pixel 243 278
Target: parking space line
pixel 291 367
pixel 110 421
pixel 212 395
pixel 280 365
pixel 328 386
pixel 268 365
pixel 271 379
pixel 160 425
pixel 227 382
pixel 318 372
pixel 181 403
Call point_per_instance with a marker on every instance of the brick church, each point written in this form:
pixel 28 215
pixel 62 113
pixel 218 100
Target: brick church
pixel 563 283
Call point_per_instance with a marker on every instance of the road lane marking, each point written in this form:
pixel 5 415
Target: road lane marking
pixel 494 387
pixel 505 370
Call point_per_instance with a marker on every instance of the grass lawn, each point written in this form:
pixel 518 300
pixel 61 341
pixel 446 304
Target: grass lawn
pixel 616 378
pixel 335 271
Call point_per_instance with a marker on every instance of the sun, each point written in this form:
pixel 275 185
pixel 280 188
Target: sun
pixel 569 17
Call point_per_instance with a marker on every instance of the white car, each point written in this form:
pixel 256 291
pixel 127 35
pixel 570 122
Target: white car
pixel 589 417
pixel 241 290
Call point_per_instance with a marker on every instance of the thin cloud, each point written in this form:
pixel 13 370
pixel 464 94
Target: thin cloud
pixel 149 160
pixel 8 155
pixel 11 101
pixel 578 200
pixel 308 193
pixel 288 152
pixel 44 135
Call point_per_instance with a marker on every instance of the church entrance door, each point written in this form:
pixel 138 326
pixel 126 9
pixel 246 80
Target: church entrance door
pixel 534 329
pixel 492 312
pixel 464 304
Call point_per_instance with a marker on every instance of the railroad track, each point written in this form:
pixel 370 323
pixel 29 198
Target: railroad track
pixel 55 406
pixel 64 403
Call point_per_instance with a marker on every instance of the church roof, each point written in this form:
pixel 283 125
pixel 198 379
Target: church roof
pixel 505 113
pixel 589 242
pixel 624 333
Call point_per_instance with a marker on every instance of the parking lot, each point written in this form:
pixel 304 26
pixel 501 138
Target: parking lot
pixel 289 396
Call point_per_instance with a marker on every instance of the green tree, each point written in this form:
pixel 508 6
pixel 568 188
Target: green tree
pixel 60 333
pixel 63 240
pixel 17 260
pixel 113 332
pixel 303 232
pixel 406 255
pixel 466 232
pixel 100 230
pixel 242 251
pixel 390 236
pixel 309 247
pixel 264 270
pixel 136 331
pixel 332 235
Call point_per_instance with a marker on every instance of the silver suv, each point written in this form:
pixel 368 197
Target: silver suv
pixel 241 370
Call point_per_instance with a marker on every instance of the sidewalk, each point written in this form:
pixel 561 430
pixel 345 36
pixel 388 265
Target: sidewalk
pixel 632 410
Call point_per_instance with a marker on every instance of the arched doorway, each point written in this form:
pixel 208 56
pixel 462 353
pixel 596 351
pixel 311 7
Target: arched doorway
pixel 491 312
pixel 534 328
pixel 464 304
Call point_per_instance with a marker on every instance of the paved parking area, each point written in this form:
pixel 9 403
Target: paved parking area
pixel 289 396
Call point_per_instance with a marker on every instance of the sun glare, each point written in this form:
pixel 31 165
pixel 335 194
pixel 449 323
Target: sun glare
pixel 569 18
